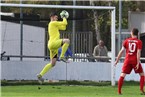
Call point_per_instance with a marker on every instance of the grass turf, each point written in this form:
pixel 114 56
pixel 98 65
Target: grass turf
pixel 68 91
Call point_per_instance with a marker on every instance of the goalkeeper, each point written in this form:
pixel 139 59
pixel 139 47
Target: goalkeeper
pixel 55 42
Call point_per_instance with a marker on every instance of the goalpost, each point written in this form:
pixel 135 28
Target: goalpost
pixel 113 9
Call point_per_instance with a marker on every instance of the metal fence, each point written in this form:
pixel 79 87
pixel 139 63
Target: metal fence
pixel 35 47
pixel 83 45
pixel 83 42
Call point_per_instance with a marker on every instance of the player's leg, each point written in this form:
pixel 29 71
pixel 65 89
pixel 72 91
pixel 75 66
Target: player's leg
pixel 120 82
pixel 53 57
pixel 126 69
pixel 142 81
pixel 45 70
pixel 142 78
pixel 65 46
pixel 48 66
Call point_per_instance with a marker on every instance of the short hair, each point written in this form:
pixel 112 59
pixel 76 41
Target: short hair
pixel 52 14
pixel 135 31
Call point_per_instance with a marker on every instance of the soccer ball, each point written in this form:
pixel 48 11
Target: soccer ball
pixel 64 13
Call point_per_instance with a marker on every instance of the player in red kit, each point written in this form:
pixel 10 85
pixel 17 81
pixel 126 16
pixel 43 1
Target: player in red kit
pixel 133 47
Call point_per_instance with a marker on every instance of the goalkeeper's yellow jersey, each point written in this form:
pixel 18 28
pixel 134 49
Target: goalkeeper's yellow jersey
pixel 54 27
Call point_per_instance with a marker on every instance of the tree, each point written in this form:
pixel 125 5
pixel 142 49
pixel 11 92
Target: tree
pixel 95 15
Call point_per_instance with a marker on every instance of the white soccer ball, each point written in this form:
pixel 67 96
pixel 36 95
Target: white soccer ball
pixel 64 13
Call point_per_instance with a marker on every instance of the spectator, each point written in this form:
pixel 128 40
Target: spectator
pixel 100 50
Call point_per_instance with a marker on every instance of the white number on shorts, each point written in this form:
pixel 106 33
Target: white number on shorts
pixel 132 47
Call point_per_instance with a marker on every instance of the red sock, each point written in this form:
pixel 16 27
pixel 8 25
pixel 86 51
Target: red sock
pixel 120 83
pixel 142 83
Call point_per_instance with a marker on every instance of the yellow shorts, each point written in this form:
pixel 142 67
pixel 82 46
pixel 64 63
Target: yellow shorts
pixel 53 47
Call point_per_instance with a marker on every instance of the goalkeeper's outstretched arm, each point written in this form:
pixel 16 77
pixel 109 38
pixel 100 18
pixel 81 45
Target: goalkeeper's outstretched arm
pixel 64 15
pixel 62 25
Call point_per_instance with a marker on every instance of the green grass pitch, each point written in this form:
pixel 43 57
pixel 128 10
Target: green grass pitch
pixel 68 91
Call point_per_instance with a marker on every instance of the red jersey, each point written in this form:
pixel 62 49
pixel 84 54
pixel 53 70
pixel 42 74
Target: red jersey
pixel 132 45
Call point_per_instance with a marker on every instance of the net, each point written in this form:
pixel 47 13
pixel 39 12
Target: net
pixel 82 42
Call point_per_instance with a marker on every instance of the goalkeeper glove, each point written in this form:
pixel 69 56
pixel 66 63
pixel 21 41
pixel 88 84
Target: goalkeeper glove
pixel 64 14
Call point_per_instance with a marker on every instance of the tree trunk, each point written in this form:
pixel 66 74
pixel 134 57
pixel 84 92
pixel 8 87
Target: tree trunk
pixel 98 37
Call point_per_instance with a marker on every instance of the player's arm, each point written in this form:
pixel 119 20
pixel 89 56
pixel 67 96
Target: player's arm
pixel 139 54
pixel 64 22
pixel 64 15
pixel 61 24
pixel 119 55
pixel 138 58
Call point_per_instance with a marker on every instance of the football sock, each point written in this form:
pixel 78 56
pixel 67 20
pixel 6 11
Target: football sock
pixel 64 49
pixel 46 69
pixel 120 83
pixel 142 83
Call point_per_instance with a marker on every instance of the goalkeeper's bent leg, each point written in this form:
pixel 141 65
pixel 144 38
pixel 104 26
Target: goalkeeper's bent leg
pixel 64 47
